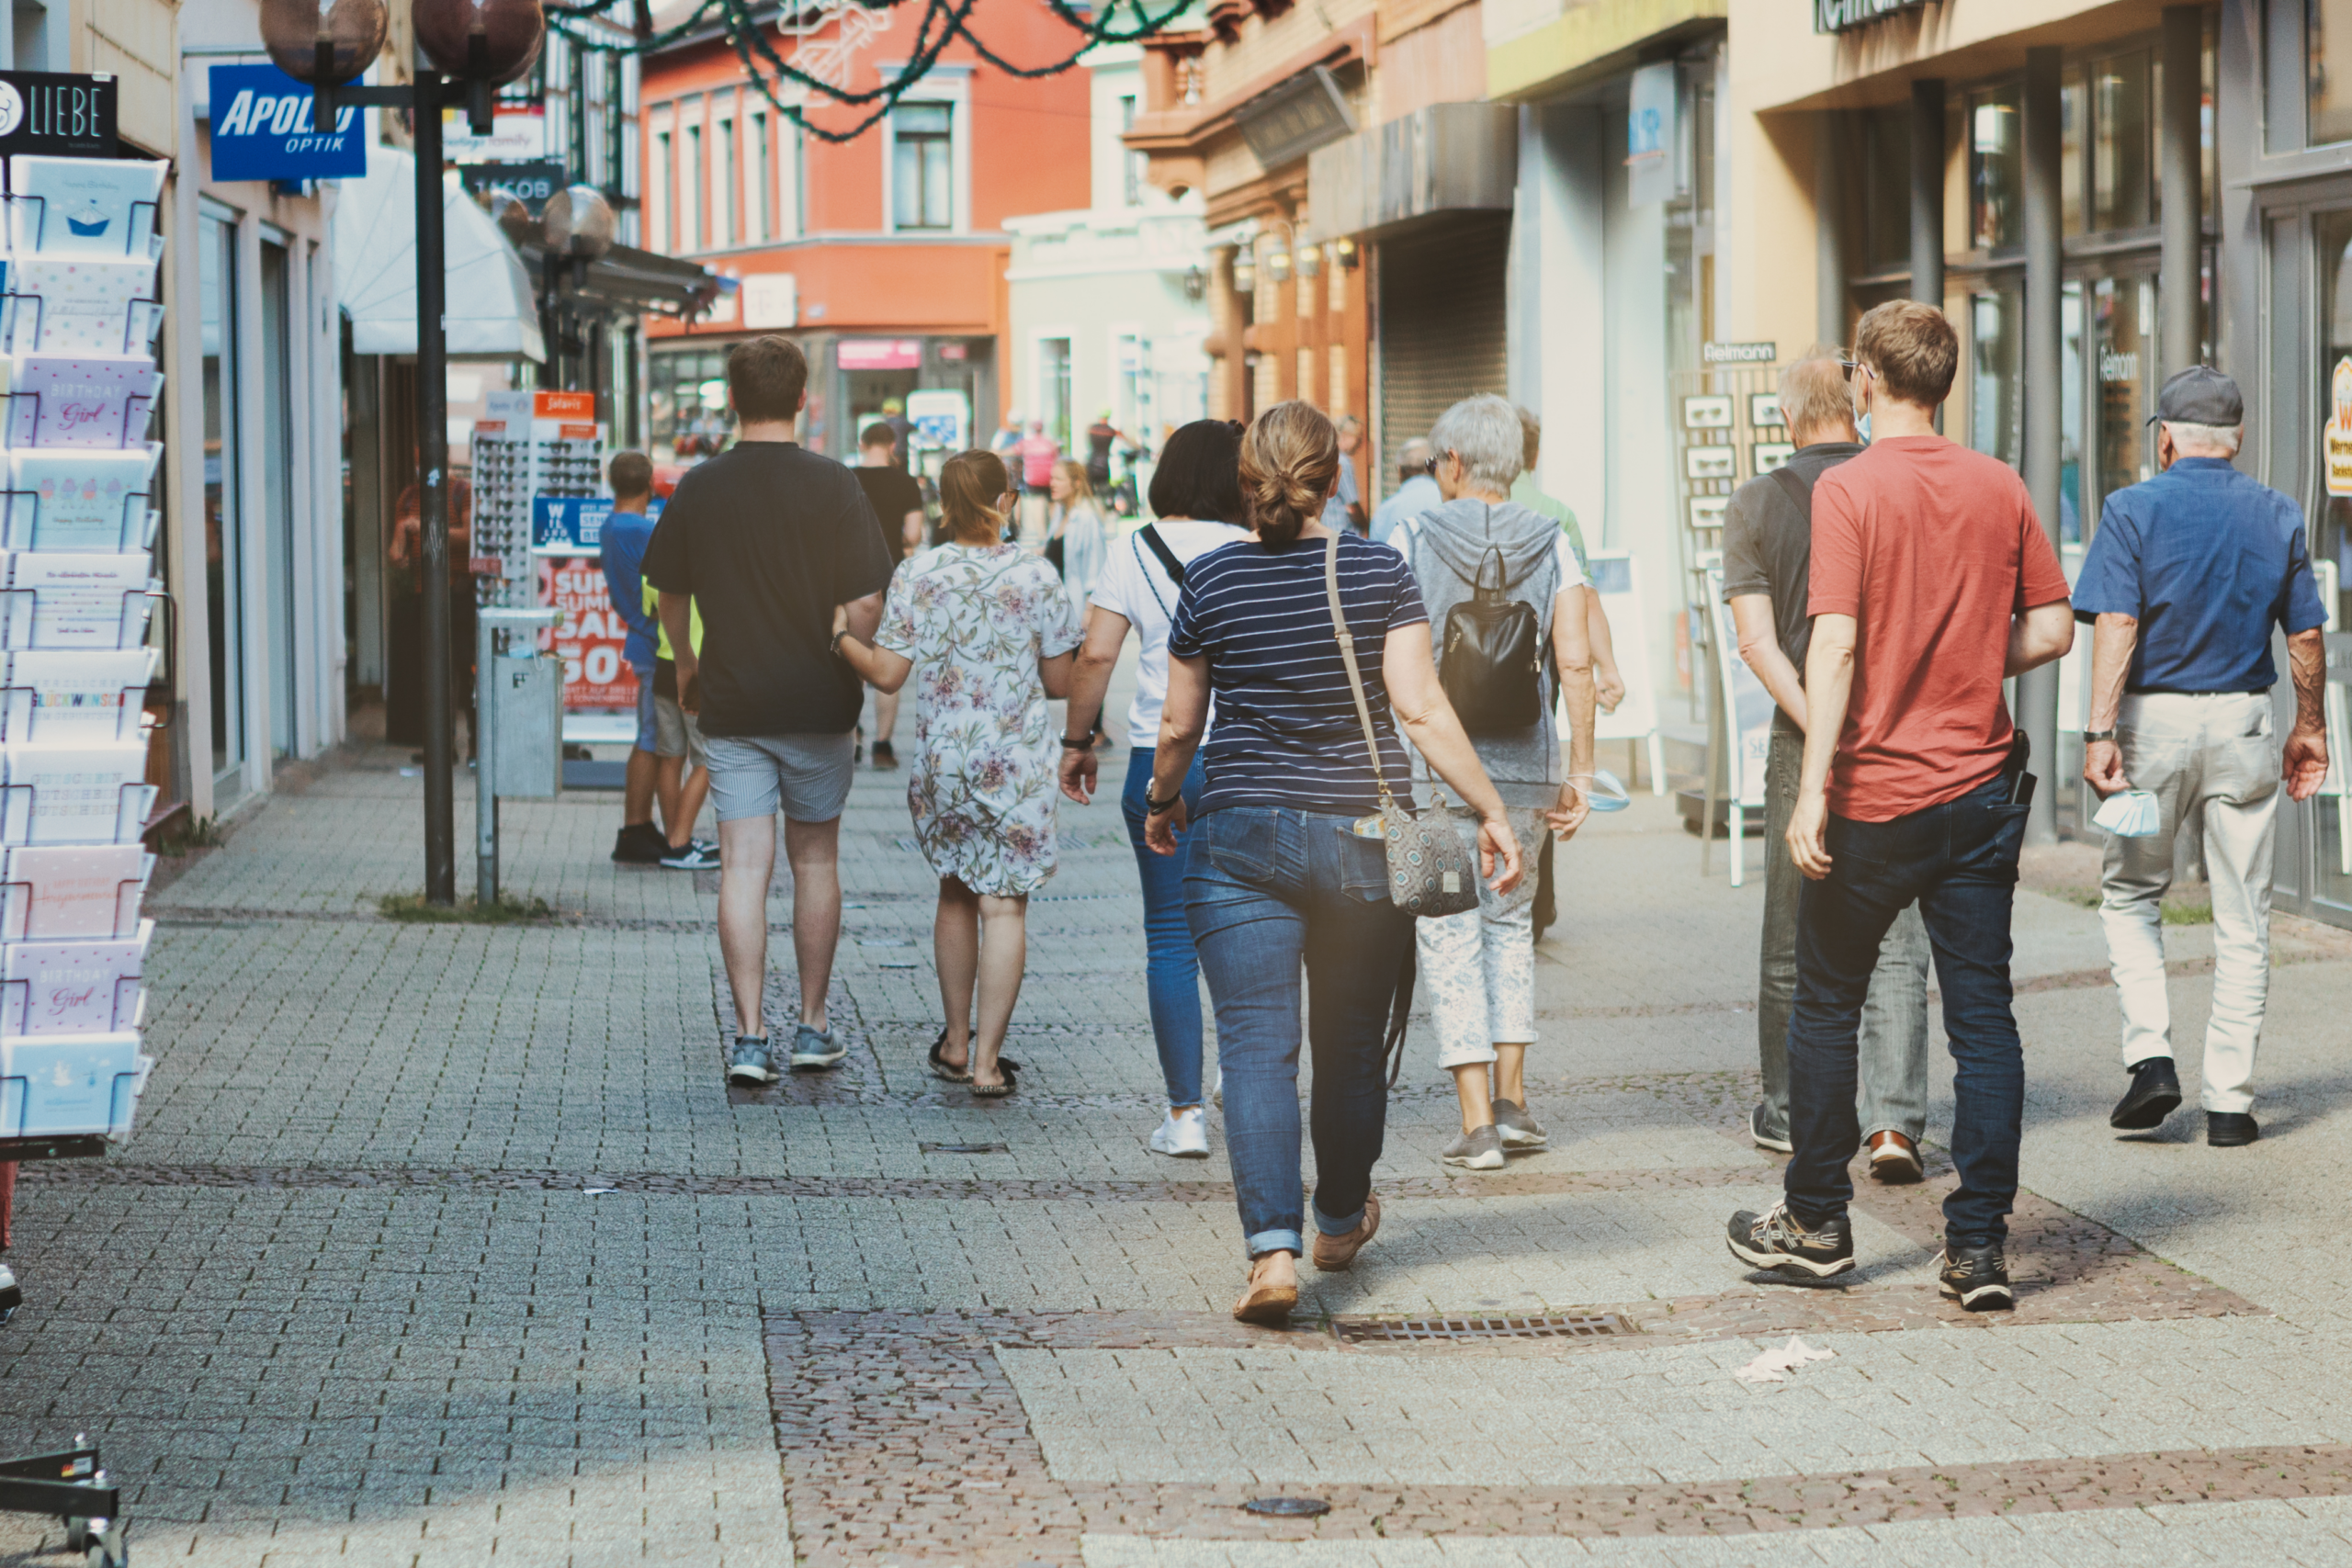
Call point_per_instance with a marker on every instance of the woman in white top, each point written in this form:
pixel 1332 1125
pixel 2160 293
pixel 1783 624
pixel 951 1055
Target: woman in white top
pixel 1196 496
pixel 1078 522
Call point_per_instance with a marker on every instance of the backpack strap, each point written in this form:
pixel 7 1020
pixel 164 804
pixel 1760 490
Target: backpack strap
pixel 1795 486
pixel 1149 534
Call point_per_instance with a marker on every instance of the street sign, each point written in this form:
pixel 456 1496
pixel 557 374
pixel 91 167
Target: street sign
pixel 56 112
pixel 262 129
pixel 530 183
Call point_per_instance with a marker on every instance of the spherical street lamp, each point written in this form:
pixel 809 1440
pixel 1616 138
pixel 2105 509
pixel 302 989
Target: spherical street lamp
pixel 325 43
pixel 578 222
pixel 481 40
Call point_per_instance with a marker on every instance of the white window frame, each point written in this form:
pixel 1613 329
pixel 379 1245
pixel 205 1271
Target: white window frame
pixel 692 184
pixel 726 172
pixel 952 87
pixel 659 205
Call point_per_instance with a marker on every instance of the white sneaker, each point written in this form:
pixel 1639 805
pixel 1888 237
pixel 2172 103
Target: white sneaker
pixel 1185 1135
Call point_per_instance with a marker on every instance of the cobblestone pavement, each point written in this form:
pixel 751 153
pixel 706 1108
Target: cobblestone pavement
pixel 445 1245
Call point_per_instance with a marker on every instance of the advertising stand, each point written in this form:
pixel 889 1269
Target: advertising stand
pixel 78 517
pixel 1739 737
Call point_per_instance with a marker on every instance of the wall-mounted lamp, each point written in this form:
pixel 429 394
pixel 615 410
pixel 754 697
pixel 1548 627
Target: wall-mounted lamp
pixel 1278 266
pixel 1310 261
pixel 1196 285
pixel 1344 251
pixel 1245 273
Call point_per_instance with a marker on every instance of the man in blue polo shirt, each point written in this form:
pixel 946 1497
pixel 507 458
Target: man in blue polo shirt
pixel 2187 574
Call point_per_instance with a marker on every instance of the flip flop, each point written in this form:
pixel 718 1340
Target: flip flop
pixel 941 1066
pixel 997 1090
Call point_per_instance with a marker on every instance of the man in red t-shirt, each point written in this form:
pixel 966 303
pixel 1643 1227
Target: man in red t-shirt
pixel 1932 581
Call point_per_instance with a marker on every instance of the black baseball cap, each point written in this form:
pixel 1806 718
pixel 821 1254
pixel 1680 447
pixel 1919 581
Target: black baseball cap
pixel 2200 395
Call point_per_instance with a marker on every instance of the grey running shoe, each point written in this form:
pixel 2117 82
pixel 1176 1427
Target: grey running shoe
pixel 748 1061
pixel 814 1048
pixel 1766 1138
pixel 1479 1149
pixel 1517 1128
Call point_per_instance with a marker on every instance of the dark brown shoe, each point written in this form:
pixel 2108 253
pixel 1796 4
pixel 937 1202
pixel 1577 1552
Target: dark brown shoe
pixel 1333 1254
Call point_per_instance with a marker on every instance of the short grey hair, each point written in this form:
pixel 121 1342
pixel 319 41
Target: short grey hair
pixel 1414 457
pixel 1485 432
pixel 2224 438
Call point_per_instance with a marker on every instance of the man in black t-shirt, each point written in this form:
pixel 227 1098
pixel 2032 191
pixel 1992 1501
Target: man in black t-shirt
pixel 769 539
pixel 1768 574
pixel 896 500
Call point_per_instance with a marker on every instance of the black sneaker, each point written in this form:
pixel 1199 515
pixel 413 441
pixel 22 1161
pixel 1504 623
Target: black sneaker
pixel 1778 1240
pixel 2230 1129
pixel 884 755
pixel 2155 1094
pixel 692 857
pixel 1976 1277
pixel 639 843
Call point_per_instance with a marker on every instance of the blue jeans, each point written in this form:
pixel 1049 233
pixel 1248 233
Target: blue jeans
pixel 1960 862
pixel 1267 889
pixel 1172 970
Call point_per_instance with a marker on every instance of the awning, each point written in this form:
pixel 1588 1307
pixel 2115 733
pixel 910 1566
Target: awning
pixel 488 312
pixel 626 282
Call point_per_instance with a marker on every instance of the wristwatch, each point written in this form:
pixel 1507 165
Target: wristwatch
pixel 1085 745
pixel 2093 737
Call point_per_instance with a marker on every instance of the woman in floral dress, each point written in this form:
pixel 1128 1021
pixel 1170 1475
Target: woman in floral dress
pixel 985 631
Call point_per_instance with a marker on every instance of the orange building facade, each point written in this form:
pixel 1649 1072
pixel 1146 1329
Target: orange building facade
pixel 883 256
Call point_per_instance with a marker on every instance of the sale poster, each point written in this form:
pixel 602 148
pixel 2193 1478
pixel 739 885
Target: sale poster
pixel 595 676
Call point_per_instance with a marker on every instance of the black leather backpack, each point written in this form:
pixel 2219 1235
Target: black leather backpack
pixel 1492 662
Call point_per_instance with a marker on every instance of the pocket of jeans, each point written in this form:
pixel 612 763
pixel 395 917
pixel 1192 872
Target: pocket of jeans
pixel 1240 843
pixel 1364 866
pixel 1846 839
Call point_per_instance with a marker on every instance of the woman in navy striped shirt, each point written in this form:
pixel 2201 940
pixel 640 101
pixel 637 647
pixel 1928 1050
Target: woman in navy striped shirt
pixel 1283 869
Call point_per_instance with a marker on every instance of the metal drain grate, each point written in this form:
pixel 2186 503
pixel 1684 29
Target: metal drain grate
pixel 1399 1330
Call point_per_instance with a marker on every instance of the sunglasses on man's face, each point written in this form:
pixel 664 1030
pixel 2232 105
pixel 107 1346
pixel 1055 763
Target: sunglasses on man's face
pixel 1850 366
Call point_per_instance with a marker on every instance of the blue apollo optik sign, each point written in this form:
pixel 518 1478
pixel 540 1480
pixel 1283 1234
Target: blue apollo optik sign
pixel 262 130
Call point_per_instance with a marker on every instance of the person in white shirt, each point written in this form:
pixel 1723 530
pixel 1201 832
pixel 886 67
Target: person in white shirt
pixel 1196 496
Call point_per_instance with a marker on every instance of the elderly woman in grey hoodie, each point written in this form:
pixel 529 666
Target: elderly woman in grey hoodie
pixel 1477 968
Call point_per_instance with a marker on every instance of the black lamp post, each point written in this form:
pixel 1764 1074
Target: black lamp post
pixel 480 44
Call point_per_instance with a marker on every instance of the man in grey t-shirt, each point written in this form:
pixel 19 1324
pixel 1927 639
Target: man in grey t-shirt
pixel 1768 555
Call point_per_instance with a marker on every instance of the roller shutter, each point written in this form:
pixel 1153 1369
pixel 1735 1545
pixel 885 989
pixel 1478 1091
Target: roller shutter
pixel 1443 324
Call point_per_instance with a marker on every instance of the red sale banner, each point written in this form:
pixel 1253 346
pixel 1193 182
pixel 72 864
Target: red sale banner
pixel 595 676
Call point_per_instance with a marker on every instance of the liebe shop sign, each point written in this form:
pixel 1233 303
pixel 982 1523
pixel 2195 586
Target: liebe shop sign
pixel 262 130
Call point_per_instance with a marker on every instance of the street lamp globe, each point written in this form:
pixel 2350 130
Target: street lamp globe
pixel 329 42
pixel 492 41
pixel 578 222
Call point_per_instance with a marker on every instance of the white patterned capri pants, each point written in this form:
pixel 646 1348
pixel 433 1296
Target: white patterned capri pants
pixel 1477 968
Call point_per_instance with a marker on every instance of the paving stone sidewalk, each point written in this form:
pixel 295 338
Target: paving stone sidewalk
pixel 448 1244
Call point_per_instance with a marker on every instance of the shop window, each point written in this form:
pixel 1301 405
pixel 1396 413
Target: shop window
pixel 731 183
pixel 1053 386
pixel 1996 168
pixel 691 175
pixel 2120 144
pixel 1132 162
pixel 2123 314
pixel 2327 25
pixel 687 403
pixel 2070 414
pixel 2074 113
pixel 664 220
pixel 1886 182
pixel 922 178
pixel 763 178
pixel 1995 408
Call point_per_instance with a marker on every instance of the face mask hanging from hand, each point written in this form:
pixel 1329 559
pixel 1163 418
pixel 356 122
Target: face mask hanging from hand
pixel 2130 814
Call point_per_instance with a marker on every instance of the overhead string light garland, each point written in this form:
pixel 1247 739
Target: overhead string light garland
pixel 943 21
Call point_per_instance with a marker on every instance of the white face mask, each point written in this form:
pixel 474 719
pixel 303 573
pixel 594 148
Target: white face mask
pixel 1863 425
pixel 2131 814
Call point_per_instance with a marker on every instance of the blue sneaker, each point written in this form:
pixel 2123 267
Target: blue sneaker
pixel 814 1048
pixel 748 1061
